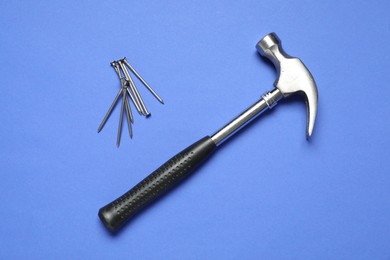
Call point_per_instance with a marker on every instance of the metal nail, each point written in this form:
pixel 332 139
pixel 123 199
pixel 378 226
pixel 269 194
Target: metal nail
pixel 109 111
pixel 129 85
pixel 134 89
pixel 128 115
pixel 143 81
pixel 118 139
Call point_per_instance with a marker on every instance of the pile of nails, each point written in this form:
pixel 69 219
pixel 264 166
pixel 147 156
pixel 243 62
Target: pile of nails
pixel 128 90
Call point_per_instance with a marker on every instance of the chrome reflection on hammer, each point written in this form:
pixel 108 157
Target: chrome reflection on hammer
pixel 293 78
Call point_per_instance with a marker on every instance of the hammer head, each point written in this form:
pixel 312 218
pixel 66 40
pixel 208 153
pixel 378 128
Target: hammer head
pixel 293 76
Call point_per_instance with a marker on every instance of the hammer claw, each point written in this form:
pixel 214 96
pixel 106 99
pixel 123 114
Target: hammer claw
pixel 293 76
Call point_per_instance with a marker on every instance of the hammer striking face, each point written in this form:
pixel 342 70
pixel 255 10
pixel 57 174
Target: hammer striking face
pixel 293 78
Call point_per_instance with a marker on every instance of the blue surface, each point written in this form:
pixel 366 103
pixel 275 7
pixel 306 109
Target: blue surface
pixel 266 194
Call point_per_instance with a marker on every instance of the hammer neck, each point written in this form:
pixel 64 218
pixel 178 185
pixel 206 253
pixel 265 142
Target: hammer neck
pixel 267 101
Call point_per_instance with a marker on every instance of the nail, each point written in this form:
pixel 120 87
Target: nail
pixel 143 81
pixel 128 115
pixel 118 139
pixel 109 111
pixel 134 89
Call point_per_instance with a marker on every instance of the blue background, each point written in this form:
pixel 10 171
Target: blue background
pixel 266 194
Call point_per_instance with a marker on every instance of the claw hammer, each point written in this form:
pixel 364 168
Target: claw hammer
pixel 293 78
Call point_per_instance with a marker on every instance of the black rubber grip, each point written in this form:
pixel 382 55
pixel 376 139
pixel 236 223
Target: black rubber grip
pixel 118 212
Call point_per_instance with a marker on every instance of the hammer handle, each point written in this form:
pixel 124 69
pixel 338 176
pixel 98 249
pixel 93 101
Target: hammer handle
pixel 117 213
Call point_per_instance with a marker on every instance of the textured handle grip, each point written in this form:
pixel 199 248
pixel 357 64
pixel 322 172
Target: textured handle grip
pixel 115 214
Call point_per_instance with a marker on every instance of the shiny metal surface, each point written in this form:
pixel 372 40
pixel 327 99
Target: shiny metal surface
pixel 125 106
pixel 129 110
pixel 125 84
pixel 137 96
pixel 131 95
pixel 293 76
pixel 109 111
pixel 128 92
pixel 128 115
pixel 268 101
pixel 118 139
pixel 143 81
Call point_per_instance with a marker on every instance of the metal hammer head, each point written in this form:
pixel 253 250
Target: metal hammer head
pixel 293 76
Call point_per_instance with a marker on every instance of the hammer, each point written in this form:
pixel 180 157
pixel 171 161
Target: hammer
pixel 293 78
